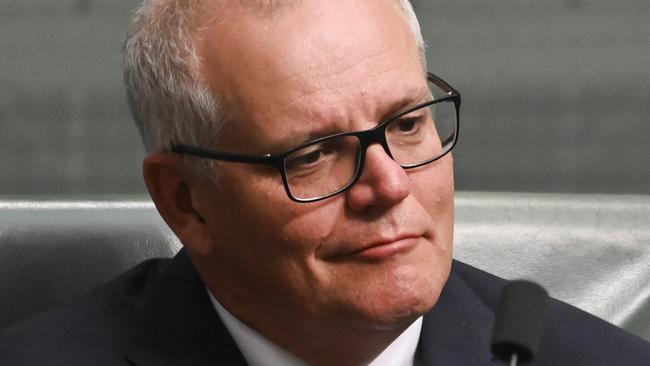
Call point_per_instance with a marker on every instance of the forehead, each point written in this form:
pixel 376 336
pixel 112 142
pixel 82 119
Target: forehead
pixel 311 68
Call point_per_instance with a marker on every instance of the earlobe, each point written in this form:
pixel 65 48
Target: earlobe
pixel 171 188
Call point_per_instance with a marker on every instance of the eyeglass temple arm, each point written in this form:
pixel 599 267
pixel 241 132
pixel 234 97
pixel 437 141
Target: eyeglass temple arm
pixel 219 155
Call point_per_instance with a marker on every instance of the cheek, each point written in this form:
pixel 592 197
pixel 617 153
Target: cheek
pixel 267 240
pixel 307 228
pixel 434 187
pixel 288 227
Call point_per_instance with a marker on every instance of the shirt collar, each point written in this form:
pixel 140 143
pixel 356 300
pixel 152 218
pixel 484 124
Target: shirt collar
pixel 402 351
pixel 259 351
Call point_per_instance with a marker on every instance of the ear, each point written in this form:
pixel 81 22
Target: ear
pixel 173 189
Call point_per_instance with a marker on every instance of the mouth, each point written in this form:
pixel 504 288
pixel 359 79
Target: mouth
pixel 382 249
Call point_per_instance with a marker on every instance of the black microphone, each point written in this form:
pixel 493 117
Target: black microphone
pixel 519 322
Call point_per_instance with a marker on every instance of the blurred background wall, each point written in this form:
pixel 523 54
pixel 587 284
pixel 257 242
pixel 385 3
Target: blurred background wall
pixel 556 95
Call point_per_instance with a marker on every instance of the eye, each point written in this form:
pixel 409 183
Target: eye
pixel 406 126
pixel 306 158
pixel 310 158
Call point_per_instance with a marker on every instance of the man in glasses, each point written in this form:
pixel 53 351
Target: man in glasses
pixel 301 152
pixel 319 215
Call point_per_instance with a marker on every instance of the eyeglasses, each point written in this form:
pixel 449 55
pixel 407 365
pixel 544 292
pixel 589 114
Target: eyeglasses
pixel 330 165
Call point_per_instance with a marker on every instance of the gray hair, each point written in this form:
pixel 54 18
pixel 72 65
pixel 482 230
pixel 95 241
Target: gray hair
pixel 169 99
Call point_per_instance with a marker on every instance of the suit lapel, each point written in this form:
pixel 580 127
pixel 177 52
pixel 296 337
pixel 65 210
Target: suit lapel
pixel 177 325
pixel 457 330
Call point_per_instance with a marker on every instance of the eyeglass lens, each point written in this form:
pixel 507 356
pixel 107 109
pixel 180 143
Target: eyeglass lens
pixel 328 166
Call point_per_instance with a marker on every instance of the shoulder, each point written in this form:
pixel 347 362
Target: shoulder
pixel 571 336
pixel 96 327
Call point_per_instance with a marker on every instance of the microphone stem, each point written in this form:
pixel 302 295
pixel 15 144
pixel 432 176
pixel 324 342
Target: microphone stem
pixel 513 359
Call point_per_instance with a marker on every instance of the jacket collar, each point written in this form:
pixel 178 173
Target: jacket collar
pixel 457 330
pixel 177 324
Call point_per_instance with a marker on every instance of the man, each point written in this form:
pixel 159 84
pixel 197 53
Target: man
pixel 300 152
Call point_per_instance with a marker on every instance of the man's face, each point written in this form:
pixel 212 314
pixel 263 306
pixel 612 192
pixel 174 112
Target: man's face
pixel 376 255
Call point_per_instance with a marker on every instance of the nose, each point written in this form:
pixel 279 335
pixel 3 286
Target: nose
pixel 383 182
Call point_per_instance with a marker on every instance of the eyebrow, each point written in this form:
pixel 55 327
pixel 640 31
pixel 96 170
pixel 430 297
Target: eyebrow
pixel 413 97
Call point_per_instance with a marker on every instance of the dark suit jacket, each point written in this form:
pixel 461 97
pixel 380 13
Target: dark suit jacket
pixel 159 314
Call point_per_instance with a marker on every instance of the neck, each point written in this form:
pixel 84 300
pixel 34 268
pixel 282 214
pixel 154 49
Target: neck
pixel 318 339
pixel 325 343
pixel 343 347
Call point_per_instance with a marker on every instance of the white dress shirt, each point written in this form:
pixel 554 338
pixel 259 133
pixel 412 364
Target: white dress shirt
pixel 259 351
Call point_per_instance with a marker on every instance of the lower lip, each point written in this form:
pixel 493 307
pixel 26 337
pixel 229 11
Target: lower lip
pixel 389 249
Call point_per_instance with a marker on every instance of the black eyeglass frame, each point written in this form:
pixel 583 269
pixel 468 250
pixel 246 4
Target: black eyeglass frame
pixel 366 138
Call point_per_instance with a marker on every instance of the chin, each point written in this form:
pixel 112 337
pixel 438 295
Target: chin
pixel 403 297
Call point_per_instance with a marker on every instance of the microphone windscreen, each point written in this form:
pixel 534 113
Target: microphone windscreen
pixel 519 321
